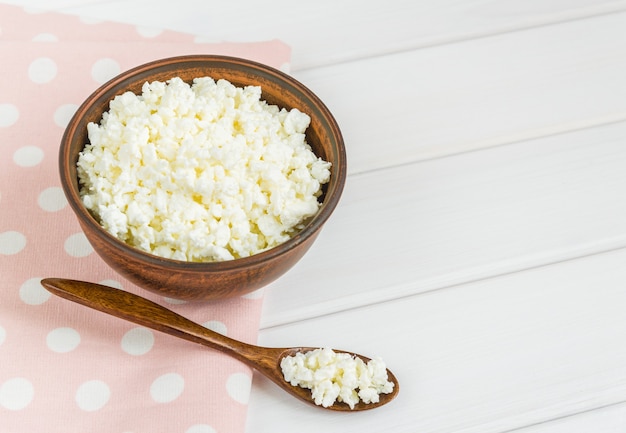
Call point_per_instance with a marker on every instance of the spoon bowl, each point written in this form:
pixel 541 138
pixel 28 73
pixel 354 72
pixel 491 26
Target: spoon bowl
pixel 134 308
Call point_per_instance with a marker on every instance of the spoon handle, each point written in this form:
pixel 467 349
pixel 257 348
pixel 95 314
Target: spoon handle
pixel 147 313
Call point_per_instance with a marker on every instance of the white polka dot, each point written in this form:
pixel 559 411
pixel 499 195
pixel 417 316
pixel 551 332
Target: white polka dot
pixel 174 301
pixel 63 340
pixel 28 156
pixel 16 393
pixel 33 293
pixel 8 115
pixel 63 114
pixel 104 69
pixel 112 283
pixel 149 32
pixel 77 245
pixel 11 242
pixel 167 388
pixel 45 37
pixel 52 199
pixel 257 294
pixel 201 428
pixel 238 387
pixel 3 335
pixel 42 70
pixel 92 395
pixel 138 341
pixel 217 326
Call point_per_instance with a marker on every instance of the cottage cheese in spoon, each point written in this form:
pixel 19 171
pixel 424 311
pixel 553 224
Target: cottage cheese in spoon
pixel 333 376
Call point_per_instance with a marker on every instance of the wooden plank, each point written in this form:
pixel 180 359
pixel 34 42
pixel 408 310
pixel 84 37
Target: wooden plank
pixel 44 5
pixel 489 356
pixel 444 100
pixel 448 222
pixel 610 419
pixel 327 32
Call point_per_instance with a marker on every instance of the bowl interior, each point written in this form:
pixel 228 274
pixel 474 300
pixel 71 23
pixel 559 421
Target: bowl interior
pixel 323 134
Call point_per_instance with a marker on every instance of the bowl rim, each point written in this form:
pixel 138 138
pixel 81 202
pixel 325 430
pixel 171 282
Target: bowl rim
pixel 311 227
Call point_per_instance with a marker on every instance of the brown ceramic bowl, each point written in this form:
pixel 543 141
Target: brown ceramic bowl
pixel 211 280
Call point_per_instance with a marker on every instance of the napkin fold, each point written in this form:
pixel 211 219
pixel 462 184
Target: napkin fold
pixel 64 367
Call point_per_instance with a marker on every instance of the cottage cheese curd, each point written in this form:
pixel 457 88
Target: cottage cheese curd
pixel 335 376
pixel 200 172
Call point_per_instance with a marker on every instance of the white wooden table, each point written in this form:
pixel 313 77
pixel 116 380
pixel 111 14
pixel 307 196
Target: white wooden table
pixel 480 245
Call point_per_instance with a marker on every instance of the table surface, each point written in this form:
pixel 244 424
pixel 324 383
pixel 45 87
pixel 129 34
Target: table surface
pixel 479 247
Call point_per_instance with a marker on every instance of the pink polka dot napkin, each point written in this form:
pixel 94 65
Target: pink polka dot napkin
pixel 63 367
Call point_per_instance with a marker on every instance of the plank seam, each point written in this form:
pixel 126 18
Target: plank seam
pixel 585 14
pixel 397 293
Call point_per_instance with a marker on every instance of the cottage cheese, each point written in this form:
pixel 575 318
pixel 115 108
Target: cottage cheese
pixel 335 376
pixel 200 172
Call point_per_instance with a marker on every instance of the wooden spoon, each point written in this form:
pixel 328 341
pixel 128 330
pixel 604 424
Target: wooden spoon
pixel 147 313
